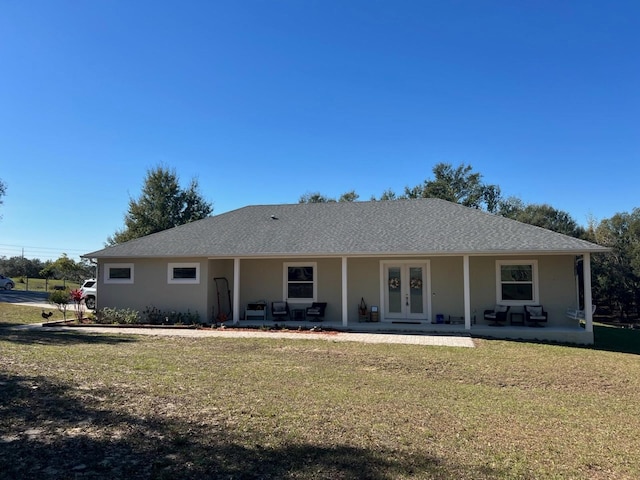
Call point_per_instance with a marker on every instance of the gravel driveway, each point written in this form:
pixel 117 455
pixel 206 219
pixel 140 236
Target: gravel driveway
pixel 332 336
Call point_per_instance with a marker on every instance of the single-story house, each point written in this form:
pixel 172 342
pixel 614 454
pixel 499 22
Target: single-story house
pixel 422 265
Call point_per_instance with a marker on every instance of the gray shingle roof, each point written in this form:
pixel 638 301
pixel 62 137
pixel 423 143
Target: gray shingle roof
pixel 424 226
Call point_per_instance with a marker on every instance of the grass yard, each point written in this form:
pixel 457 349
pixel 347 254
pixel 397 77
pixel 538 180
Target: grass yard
pixel 76 405
pixel 11 315
pixel 41 285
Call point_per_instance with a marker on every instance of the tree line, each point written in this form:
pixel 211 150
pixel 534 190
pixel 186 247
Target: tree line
pixel 63 268
pixel 164 204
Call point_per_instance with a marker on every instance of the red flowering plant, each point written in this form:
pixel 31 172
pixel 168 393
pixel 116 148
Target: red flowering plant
pixel 78 306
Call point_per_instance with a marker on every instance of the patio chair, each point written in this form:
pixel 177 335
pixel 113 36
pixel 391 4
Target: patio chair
pixel 280 310
pixel 535 315
pixel 256 309
pixel 316 310
pixel 497 316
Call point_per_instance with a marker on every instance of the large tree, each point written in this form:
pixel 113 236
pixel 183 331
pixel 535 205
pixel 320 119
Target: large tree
pixel 317 197
pixel 163 204
pixel 388 194
pixel 66 268
pixel 314 197
pixel 617 274
pixel 541 215
pixel 350 196
pixel 459 185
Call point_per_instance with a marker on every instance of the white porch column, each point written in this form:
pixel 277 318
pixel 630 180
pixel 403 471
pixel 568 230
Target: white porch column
pixel 236 290
pixel 467 293
pixel 345 300
pixel 586 273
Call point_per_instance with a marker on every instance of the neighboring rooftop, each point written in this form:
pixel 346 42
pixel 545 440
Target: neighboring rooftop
pixel 396 227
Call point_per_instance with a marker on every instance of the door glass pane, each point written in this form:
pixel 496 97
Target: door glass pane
pixel 395 291
pixel 416 289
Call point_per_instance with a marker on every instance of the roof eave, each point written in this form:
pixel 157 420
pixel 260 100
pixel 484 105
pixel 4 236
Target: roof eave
pixel 432 253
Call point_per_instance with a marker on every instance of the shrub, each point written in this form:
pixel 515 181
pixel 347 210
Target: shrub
pixel 150 316
pixel 78 306
pixel 155 316
pixel 126 316
pixel 61 298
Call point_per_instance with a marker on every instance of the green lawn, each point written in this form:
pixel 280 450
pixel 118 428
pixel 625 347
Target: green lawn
pixel 112 406
pixel 41 285
pixel 20 314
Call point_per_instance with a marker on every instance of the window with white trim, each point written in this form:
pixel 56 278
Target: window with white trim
pixel 183 273
pixel 517 282
pixel 118 273
pixel 300 282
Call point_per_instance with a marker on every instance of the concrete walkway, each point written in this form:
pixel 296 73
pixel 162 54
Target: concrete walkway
pixel 331 336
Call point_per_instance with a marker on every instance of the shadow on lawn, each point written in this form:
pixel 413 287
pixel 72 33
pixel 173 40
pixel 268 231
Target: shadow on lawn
pixel 39 336
pixel 59 431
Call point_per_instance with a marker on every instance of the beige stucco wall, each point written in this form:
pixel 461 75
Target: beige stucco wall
pixel 151 288
pixel 444 296
pixel 262 279
pixel 363 281
pixel 218 268
pixel 447 287
pixel 556 280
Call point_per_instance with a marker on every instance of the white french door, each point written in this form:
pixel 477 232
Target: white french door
pixel 405 288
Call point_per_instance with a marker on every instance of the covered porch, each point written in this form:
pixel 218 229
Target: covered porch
pixel 460 287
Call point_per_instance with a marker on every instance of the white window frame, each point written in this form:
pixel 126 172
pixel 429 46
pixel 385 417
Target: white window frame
pixel 534 282
pixel 107 271
pixel 285 283
pixel 172 280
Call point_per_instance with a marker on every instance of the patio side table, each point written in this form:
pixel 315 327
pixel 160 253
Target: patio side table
pixel 516 318
pixel 297 314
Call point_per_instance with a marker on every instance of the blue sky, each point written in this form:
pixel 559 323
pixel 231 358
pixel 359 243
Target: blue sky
pixel 263 101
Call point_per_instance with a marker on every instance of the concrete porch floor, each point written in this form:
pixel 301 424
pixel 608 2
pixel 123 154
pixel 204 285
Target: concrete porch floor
pixel 563 334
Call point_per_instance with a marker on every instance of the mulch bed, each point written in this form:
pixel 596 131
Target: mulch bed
pixel 273 329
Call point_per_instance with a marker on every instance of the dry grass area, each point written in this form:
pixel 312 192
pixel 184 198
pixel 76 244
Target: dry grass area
pixel 75 405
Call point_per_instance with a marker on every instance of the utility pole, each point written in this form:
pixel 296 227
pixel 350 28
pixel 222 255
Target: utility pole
pixel 24 271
